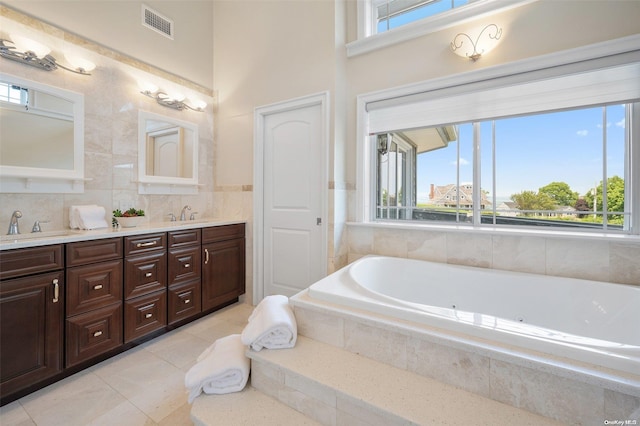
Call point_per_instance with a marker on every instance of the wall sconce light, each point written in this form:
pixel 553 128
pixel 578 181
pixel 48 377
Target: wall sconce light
pixel 464 46
pixel 30 52
pixel 170 100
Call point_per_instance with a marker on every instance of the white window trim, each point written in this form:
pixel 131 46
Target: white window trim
pixel 624 51
pixel 368 41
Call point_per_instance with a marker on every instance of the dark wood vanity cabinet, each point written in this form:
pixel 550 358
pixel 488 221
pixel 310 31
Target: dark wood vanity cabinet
pixel 145 285
pixel 66 306
pixel 223 265
pixel 93 299
pixel 184 275
pixel 31 317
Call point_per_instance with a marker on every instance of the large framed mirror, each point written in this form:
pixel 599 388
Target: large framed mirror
pixel 41 137
pixel 167 155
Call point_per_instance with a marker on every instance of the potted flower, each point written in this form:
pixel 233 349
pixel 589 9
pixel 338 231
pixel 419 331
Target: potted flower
pixel 128 218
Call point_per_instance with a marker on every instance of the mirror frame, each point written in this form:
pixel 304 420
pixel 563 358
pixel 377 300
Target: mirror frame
pixel 150 184
pixel 17 179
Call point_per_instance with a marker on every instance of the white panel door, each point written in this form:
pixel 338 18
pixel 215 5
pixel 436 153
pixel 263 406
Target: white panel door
pixel 293 223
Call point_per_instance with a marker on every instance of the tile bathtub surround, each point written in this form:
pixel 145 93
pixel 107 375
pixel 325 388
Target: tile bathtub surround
pixel 586 258
pixel 525 381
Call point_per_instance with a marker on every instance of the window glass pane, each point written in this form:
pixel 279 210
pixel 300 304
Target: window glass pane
pixel 395 13
pixel 615 125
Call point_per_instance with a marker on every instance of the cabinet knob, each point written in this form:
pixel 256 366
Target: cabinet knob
pixel 186 301
pixel 186 265
pixel 97 333
pixel 148 315
pixel 148 274
pixel 97 287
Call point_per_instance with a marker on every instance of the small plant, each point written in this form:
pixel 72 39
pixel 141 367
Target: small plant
pixel 128 213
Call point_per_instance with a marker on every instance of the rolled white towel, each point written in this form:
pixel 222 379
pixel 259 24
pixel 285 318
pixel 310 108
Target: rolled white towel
pixel 221 368
pixel 272 325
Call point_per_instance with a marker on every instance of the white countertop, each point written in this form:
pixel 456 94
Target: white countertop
pixel 8 242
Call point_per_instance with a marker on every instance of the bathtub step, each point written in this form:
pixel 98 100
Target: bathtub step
pixel 337 387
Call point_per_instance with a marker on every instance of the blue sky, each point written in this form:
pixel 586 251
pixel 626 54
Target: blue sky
pixel 532 152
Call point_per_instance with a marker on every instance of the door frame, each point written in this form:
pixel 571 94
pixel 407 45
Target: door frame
pixel 259 115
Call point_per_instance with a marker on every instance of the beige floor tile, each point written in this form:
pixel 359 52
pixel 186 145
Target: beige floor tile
pixel 13 414
pixel 123 414
pixel 76 400
pixel 180 348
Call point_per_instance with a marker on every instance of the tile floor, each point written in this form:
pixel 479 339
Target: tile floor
pixel 143 386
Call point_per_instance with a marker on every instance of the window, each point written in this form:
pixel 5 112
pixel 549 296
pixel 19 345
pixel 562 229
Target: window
pixel 13 94
pixel 566 169
pixel 395 13
pixel 553 147
pixel 394 21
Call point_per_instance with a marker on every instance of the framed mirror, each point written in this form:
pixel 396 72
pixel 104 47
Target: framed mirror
pixel 167 155
pixel 42 137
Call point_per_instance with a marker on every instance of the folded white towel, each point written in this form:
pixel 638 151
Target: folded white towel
pixel 87 217
pixel 272 325
pixel 221 368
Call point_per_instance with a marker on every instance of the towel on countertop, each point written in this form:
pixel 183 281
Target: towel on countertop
pixel 272 325
pixel 87 217
pixel 221 368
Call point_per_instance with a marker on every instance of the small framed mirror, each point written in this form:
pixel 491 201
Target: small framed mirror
pixel 42 137
pixel 167 155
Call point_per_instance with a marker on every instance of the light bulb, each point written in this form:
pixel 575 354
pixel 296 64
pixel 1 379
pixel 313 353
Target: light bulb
pixel 24 44
pixel 79 63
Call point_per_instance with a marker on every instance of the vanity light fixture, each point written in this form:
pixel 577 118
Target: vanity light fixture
pixel 463 44
pixel 175 100
pixel 30 52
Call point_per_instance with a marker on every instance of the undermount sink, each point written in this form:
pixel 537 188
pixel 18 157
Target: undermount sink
pixel 187 222
pixel 34 235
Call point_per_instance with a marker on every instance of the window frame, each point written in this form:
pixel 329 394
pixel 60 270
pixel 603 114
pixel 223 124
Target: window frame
pixel 369 40
pixel 575 62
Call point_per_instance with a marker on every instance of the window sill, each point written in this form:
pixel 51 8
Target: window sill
pixel 430 25
pixel 500 231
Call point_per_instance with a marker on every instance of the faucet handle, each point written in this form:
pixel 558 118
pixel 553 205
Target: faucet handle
pixel 36 225
pixel 193 216
pixel 172 217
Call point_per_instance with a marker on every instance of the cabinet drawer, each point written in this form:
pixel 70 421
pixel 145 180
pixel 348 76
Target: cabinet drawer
pixel 184 301
pixel 139 244
pixel 84 252
pixel 184 238
pixel 93 333
pixel 93 286
pixel 145 314
pixel 27 261
pixel 221 233
pixel 184 264
pixel 145 274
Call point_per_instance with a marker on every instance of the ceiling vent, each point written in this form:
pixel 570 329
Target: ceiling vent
pixel 157 22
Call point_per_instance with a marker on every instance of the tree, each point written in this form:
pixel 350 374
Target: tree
pixel 560 193
pixel 530 200
pixel 615 196
pixel 581 205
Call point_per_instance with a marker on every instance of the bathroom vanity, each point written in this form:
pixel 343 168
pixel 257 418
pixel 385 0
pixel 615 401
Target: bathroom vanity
pixel 70 301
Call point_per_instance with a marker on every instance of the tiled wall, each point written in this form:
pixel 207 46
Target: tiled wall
pixel 577 257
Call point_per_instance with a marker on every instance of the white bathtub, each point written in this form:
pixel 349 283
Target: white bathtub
pixel 588 321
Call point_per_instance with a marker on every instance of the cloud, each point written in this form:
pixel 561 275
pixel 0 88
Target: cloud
pixel 620 123
pixel 582 132
pixel 600 125
pixel 463 162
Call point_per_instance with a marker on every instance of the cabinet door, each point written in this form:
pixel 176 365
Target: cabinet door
pixel 93 333
pixel 184 301
pixel 144 315
pixel 184 264
pixel 145 274
pixel 223 272
pixel 31 325
pixel 93 286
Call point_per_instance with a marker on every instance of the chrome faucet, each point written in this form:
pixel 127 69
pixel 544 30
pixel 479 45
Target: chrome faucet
pixel 13 224
pixel 183 214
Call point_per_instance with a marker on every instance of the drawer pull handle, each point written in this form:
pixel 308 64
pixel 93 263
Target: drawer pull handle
pixel 186 301
pixel 206 256
pixel 56 290
pixel 148 274
pixel 97 287
pixel 149 244
pixel 97 333
pixel 186 265
pixel 148 315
